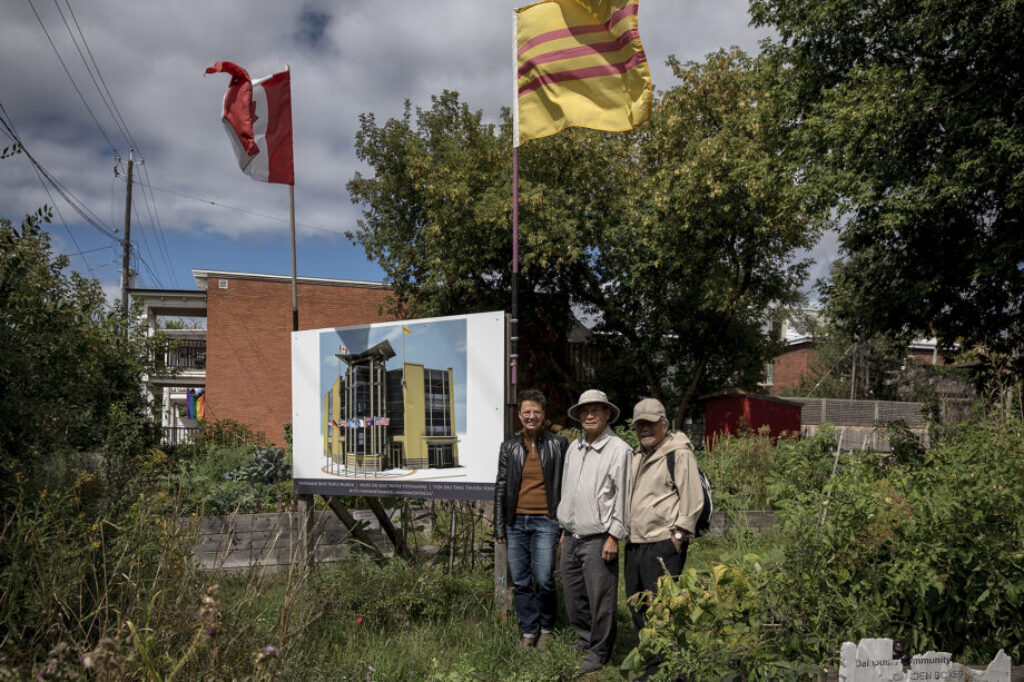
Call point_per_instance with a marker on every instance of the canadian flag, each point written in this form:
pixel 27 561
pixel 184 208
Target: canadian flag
pixel 258 119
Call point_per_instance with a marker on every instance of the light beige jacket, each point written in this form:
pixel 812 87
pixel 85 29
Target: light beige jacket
pixel 656 505
pixel 595 478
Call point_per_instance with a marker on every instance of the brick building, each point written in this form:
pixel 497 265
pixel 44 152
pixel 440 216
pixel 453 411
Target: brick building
pixel 798 359
pixel 242 359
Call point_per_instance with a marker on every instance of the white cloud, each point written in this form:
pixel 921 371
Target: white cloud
pixel 346 59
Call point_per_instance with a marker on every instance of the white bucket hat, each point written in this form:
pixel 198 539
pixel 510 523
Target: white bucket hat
pixel 594 396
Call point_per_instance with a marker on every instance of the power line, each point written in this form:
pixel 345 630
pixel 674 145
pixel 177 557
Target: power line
pixel 98 248
pixel 65 193
pixel 117 112
pixel 155 219
pixel 71 78
pixel 122 125
pixel 243 210
pixel 88 69
pixel 145 243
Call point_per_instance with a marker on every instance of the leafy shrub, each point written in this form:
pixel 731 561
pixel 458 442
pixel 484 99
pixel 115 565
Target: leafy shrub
pixel 229 469
pixel 268 466
pixel 927 553
pixel 800 466
pixel 747 471
pixel 712 624
pixel 737 467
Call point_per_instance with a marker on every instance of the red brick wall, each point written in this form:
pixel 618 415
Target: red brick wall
pixel 248 343
pixel 789 367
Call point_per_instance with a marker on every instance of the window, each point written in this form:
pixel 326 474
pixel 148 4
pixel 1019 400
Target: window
pixel 437 402
pixel 440 455
pixel 395 403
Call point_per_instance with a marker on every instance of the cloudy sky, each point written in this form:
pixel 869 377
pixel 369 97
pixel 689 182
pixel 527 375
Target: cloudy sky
pixel 194 208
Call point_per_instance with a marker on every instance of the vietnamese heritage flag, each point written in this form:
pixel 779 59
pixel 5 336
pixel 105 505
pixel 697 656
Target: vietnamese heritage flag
pixel 579 63
pixel 258 118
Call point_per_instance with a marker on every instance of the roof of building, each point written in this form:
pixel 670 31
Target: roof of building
pixel 202 275
pixel 739 393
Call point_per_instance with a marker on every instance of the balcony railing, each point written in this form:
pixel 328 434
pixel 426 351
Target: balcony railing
pixel 178 435
pixel 182 354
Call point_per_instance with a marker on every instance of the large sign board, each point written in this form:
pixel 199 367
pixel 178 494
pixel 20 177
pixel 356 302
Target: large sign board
pixel 410 408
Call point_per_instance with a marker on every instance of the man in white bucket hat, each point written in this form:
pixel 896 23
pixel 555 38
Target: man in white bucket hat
pixel 592 513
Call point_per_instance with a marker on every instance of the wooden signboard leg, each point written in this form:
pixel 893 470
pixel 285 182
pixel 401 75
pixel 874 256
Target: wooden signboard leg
pixel 307 531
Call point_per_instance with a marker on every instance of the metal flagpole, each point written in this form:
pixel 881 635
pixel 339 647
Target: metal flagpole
pixel 295 296
pixel 501 578
pixel 514 356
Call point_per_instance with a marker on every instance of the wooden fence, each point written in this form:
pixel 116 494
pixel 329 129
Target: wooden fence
pixel 273 540
pixel 242 541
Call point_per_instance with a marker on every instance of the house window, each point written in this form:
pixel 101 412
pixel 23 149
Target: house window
pixel 437 402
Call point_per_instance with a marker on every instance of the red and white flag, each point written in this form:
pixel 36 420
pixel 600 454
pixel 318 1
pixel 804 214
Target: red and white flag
pixel 258 119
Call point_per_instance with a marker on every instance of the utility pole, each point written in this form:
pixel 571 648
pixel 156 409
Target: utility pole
pixel 127 244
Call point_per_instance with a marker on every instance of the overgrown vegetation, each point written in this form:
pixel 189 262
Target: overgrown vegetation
pixel 227 468
pixel 925 547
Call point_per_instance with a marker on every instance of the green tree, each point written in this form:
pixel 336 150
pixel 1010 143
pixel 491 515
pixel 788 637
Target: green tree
pixel 66 367
pixel 910 114
pixel 674 237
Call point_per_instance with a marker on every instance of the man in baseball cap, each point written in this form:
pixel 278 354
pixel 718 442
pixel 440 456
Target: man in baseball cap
pixel 665 500
pixel 592 513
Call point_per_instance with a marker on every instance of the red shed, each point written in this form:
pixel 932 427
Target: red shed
pixel 723 412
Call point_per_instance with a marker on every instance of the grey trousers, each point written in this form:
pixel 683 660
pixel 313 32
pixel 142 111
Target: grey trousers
pixel 590 584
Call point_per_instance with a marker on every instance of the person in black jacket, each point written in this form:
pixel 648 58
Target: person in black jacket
pixel 526 496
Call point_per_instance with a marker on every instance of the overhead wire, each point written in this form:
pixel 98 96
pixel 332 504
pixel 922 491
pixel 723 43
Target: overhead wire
pixel 145 243
pixel 246 211
pixel 88 69
pixel 72 78
pixel 155 219
pixel 12 136
pixel 122 125
pixel 64 192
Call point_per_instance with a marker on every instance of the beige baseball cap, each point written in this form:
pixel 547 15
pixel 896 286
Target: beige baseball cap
pixel 649 410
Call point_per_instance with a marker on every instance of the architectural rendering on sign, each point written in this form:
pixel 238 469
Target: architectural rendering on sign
pixel 409 408
pixel 376 418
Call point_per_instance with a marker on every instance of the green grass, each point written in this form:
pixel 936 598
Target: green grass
pixel 356 620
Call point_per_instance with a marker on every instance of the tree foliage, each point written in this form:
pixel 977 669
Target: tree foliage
pixel 673 237
pixel 64 358
pixel 911 115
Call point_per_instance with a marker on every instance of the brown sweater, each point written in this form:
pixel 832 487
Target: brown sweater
pixel 532 496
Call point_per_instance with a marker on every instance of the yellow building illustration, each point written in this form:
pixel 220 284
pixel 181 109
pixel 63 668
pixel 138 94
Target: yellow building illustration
pixel 377 418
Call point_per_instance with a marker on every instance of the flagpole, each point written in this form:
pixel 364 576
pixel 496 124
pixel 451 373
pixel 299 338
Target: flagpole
pixel 514 322
pixel 295 296
pixel 514 355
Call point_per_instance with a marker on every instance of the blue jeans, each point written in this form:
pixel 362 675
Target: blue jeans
pixel 532 540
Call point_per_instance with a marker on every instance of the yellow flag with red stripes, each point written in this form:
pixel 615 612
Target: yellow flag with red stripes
pixel 579 63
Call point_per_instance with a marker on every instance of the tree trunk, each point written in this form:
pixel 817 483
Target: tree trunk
pixel 691 389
